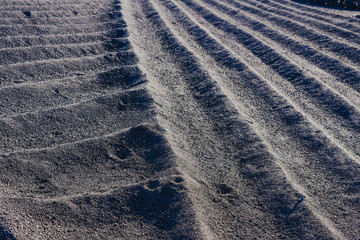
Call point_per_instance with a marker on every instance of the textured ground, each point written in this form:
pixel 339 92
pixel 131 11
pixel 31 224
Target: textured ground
pixel 179 119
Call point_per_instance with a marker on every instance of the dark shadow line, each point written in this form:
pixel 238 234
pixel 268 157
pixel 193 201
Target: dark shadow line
pixel 296 205
pixel 5 235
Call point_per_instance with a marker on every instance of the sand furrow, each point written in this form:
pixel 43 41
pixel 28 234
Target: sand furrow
pixel 331 81
pixel 151 199
pixel 15 57
pixel 55 69
pixel 80 129
pixel 321 19
pixel 81 20
pixel 64 145
pixel 284 115
pixel 342 72
pixel 108 53
pixel 178 119
pixel 36 30
pixel 71 123
pixel 225 59
pixel 58 24
pixel 69 105
pixel 94 17
pixel 79 75
pixel 203 162
pixel 48 10
pixel 301 22
pixel 53 7
pixel 18 42
pixel 20 4
pixel 333 105
pixel 54 14
pixel 336 16
pixel 52 94
pixel 24 48
pixel 340 49
pixel 303 33
pixel 283 41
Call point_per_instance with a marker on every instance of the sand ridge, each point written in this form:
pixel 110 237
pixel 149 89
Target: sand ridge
pixel 178 119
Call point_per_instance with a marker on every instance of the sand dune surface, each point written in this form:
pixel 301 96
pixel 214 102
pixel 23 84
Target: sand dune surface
pixel 179 119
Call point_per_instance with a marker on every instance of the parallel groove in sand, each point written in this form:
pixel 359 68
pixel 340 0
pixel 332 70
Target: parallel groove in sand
pixel 288 99
pixel 211 125
pixel 168 41
pixel 323 28
pixel 331 83
pixel 54 14
pixel 338 69
pixel 112 134
pixel 58 26
pixel 113 116
pixel 167 36
pixel 319 216
pixel 295 11
pixel 52 45
pixel 69 105
pixel 18 72
pixel 77 74
pixel 324 24
pixel 319 43
pixel 60 52
pixel 317 11
pixel 315 91
pixel 288 26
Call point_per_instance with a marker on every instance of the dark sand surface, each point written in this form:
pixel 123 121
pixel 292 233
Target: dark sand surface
pixel 179 119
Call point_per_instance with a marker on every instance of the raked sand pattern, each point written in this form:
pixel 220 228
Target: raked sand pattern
pixel 179 119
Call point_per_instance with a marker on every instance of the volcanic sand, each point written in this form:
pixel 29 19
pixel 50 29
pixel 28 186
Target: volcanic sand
pixel 179 119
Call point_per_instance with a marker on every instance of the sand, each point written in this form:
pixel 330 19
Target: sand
pixel 179 119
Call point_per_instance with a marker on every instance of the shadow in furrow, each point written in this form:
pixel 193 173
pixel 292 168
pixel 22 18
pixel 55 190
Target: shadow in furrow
pixel 125 78
pixel 287 70
pixel 318 20
pixel 294 123
pixel 5 235
pixel 321 40
pixel 252 168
